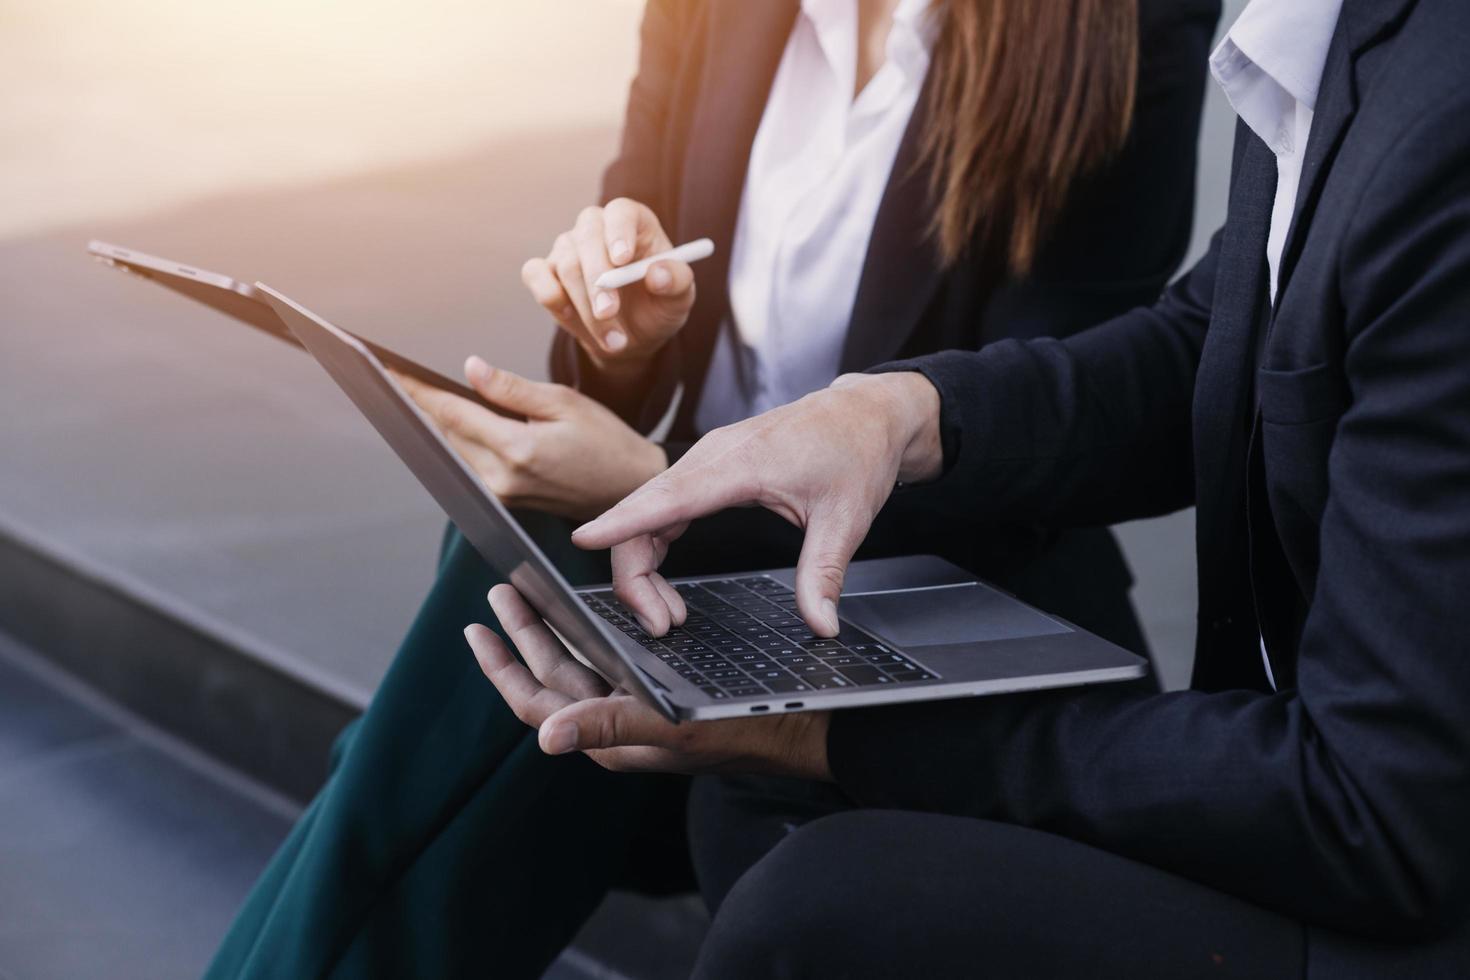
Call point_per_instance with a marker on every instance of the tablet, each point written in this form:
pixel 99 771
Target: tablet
pixel 244 303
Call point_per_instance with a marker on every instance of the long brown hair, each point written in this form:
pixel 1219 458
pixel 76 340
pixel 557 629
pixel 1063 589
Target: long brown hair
pixel 1027 96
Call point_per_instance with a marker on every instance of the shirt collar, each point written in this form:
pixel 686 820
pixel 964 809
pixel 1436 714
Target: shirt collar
pixel 1288 40
pixel 1270 66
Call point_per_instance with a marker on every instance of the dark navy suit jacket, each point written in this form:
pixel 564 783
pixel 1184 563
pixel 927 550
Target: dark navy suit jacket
pixel 1326 444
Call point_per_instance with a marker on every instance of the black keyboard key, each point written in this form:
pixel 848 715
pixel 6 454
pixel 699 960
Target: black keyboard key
pixel 716 693
pixel 725 587
pixel 723 674
pixel 816 667
pixel 786 685
pixel 865 676
pixel 796 661
pixel 820 645
pixel 828 682
pixel 910 676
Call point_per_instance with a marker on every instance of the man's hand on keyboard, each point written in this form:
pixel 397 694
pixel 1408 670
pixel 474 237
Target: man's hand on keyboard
pixel 826 463
pixel 574 710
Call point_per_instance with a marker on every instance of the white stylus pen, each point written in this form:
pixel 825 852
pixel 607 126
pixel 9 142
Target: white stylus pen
pixel 700 248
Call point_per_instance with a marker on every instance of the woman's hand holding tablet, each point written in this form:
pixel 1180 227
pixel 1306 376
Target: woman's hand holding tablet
pixel 570 457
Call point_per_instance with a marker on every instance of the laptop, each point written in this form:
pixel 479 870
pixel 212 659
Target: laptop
pixel 912 629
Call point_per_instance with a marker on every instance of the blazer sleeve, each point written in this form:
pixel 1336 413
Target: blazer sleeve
pixel 1345 801
pixel 1093 429
pixel 637 173
pixel 1124 231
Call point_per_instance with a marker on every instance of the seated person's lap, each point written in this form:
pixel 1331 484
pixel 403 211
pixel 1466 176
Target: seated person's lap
pixel 889 893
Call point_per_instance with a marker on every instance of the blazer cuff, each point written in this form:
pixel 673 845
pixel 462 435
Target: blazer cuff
pixel 967 382
pixel 910 756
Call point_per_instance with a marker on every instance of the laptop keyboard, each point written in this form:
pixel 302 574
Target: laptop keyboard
pixel 744 638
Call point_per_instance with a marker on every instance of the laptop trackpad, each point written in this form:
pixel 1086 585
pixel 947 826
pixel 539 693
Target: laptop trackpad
pixel 968 613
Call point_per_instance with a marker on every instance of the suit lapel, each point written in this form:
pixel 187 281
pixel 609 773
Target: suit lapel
pixel 1224 408
pixel 1223 389
pixel 902 266
pixel 1362 24
pixel 743 47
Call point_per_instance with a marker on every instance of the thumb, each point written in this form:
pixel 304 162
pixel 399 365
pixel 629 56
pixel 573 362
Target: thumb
pixel 602 723
pixel 669 283
pixel 507 389
pixel 831 539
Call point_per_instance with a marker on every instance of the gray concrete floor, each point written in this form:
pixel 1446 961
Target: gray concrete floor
pixel 122 854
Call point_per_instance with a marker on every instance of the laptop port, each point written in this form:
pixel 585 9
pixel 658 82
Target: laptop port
pixel 756 709
pixel 793 705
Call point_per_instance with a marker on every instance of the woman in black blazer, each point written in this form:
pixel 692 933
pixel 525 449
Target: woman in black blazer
pixel 444 842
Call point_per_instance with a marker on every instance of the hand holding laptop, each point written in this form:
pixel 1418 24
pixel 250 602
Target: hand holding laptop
pixel 620 329
pixel 574 710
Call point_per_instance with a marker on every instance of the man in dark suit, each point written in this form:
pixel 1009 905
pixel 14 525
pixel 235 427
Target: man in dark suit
pixel 1306 805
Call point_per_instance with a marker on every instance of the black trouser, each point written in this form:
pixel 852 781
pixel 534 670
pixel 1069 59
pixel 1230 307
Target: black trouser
pixel 804 886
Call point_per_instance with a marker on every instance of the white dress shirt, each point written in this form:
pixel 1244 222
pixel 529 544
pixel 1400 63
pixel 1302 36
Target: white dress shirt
pixel 1270 66
pixel 818 169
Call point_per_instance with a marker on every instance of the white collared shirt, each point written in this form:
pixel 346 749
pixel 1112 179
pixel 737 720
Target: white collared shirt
pixel 818 169
pixel 1270 66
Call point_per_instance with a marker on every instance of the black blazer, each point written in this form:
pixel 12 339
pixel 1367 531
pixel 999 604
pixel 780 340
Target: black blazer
pixel 1326 444
pixel 705 71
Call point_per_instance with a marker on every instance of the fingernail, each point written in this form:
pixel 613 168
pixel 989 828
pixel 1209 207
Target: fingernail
pixel 602 305
pixel 659 278
pixel 475 367
pixel 619 251
pixel 829 613
pixel 560 739
pixel 615 340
